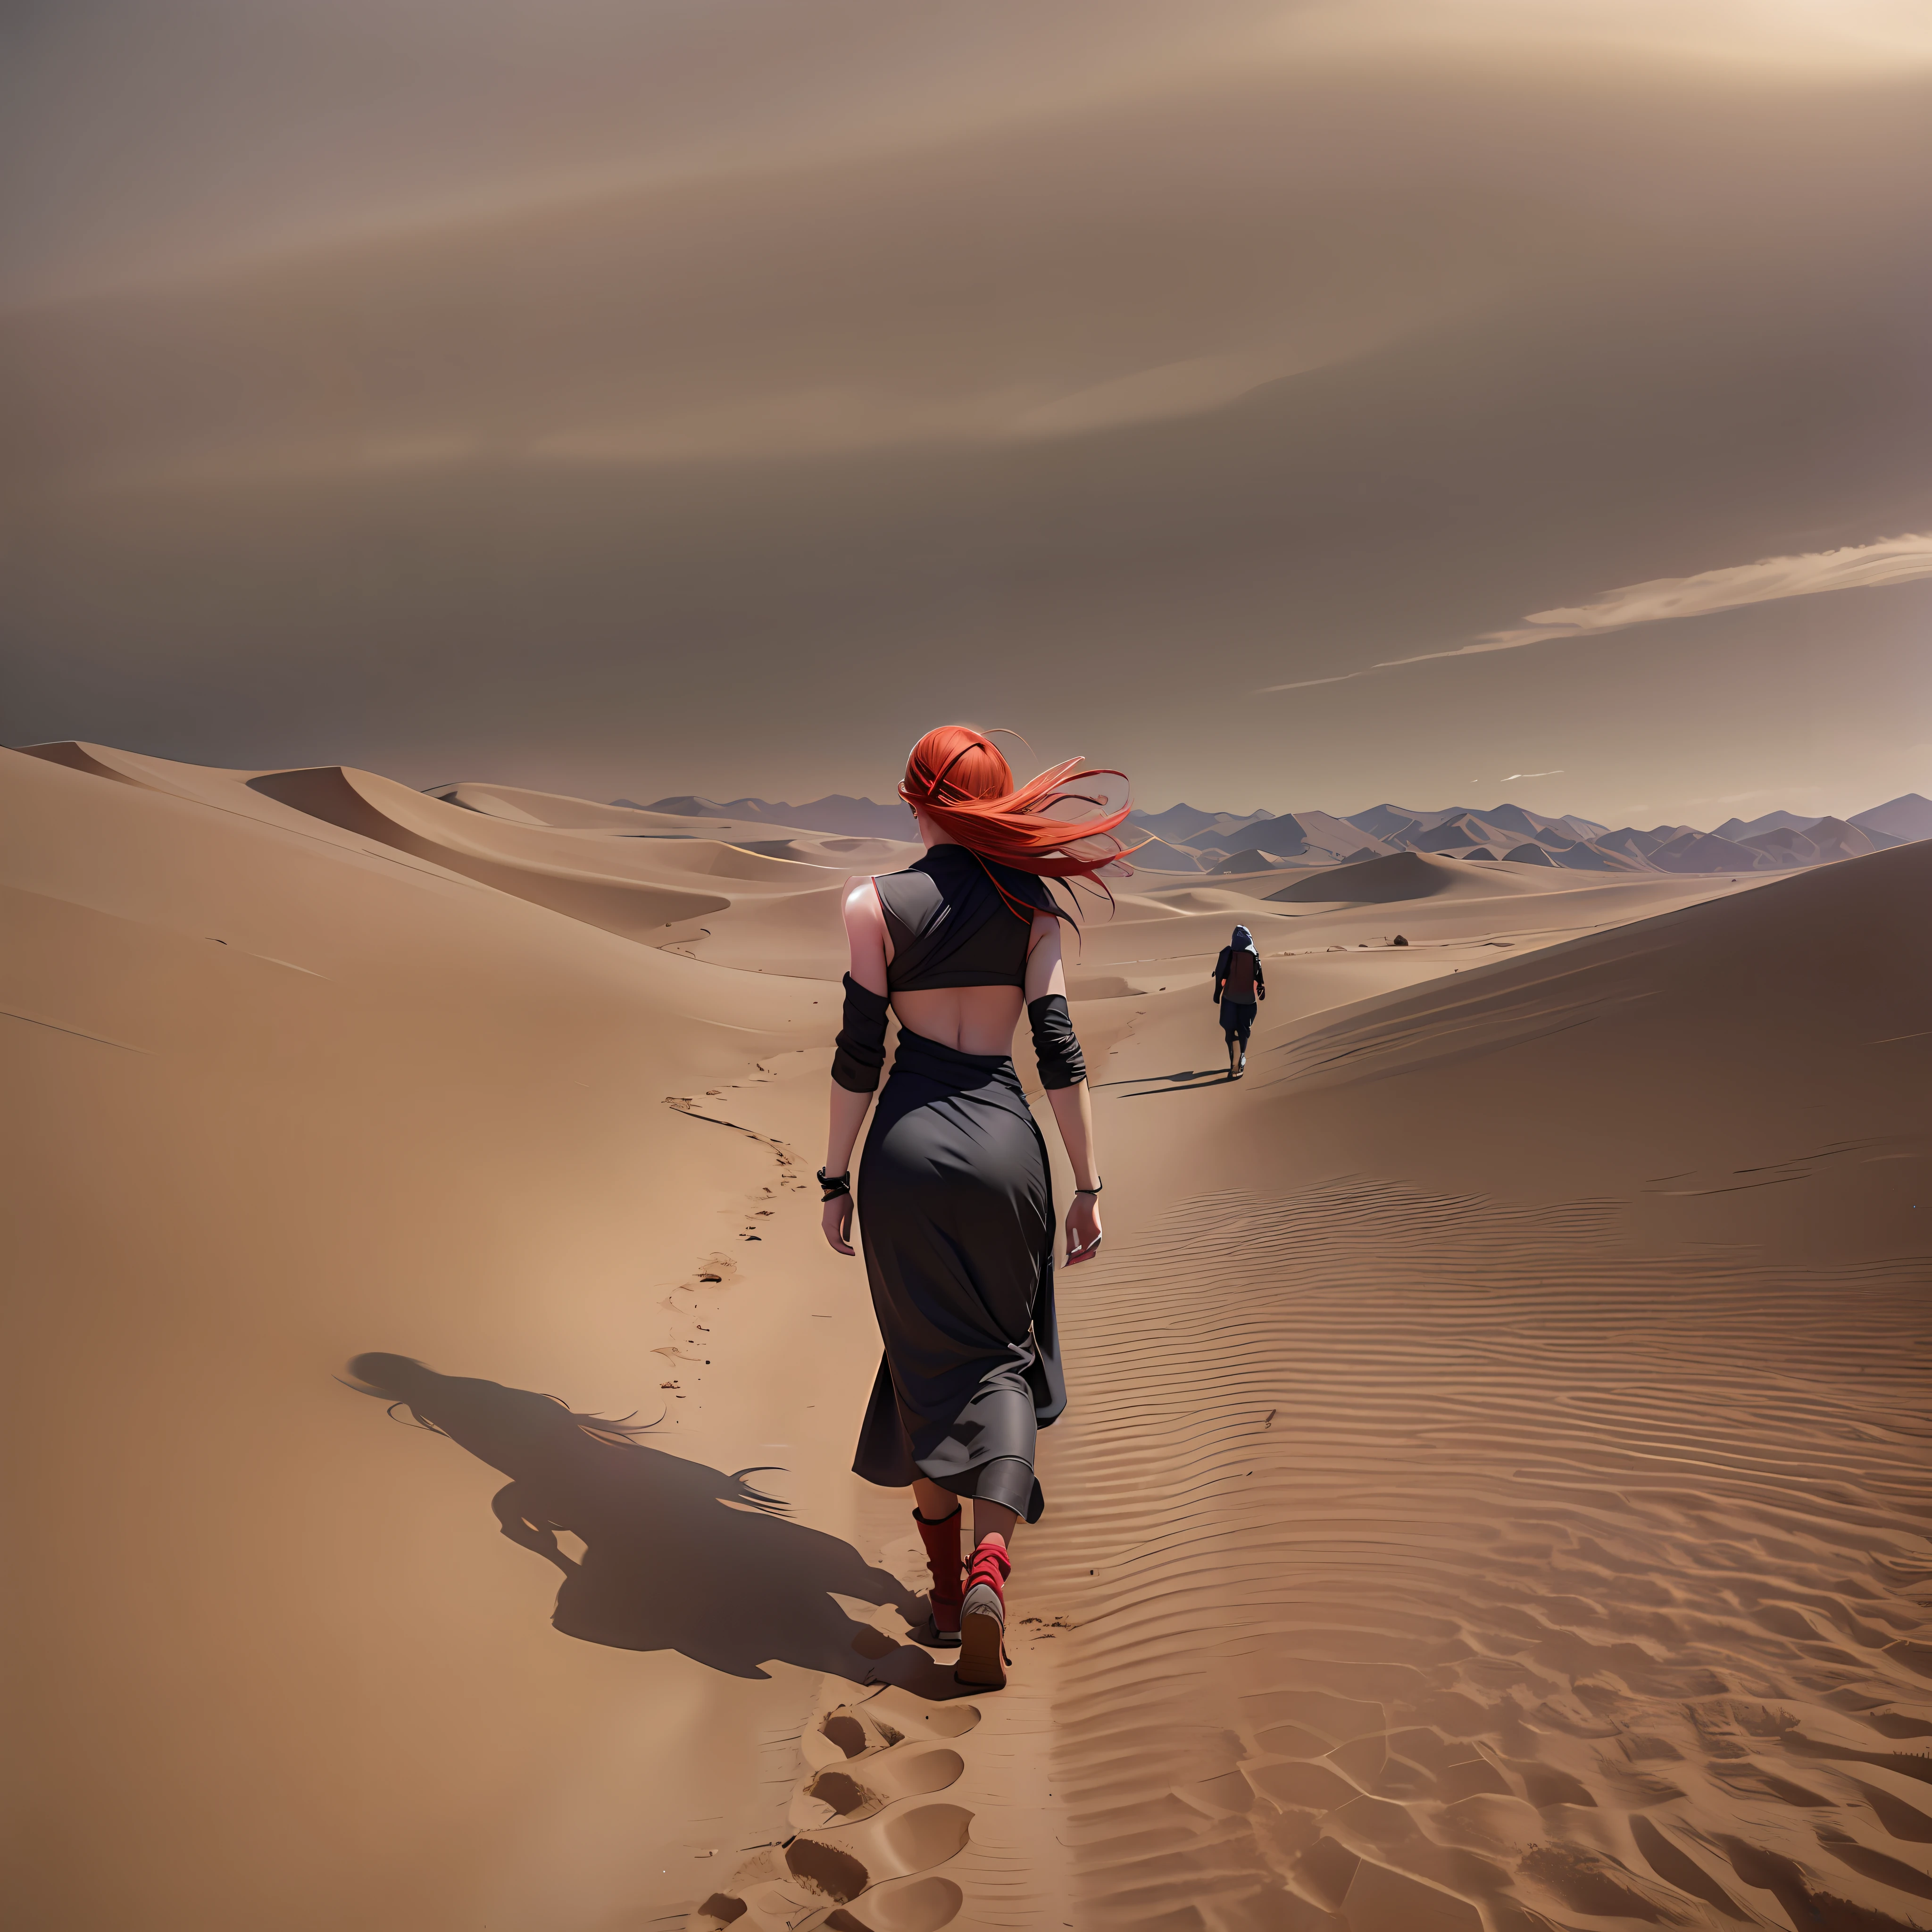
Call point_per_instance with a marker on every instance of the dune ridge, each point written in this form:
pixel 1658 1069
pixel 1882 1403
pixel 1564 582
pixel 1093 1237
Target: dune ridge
pixel 1406 875
pixel 1446 1545
pixel 381 809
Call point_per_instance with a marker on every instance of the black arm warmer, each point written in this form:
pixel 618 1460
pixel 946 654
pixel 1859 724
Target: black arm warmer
pixel 862 1040
pixel 1061 1062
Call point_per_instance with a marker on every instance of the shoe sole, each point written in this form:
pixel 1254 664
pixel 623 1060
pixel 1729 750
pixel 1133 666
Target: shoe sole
pixel 983 1650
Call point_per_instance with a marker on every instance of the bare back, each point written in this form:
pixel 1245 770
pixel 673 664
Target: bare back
pixel 951 957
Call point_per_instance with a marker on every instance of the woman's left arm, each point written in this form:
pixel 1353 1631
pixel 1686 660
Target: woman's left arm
pixel 1063 1071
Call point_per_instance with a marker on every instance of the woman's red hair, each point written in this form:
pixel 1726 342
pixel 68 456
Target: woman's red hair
pixel 961 781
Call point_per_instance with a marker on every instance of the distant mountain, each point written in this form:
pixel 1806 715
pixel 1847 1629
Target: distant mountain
pixel 1833 839
pixel 1772 821
pixel 1253 859
pixel 1530 824
pixel 1693 851
pixel 1630 842
pixel 1462 828
pixel 1782 846
pixel 1502 829
pixel 1905 819
pixel 1394 822
pixel 1325 834
pixel 1403 826
pixel 1587 855
pixel 1194 840
pixel 1183 825
pixel 1295 838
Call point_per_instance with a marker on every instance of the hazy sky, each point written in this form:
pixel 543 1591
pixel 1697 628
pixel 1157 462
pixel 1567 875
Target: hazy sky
pixel 1301 405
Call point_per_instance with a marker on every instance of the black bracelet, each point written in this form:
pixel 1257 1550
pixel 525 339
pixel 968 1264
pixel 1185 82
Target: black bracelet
pixel 835 1185
pixel 1094 1190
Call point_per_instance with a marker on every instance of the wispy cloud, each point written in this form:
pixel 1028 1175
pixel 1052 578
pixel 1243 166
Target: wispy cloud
pixel 1306 682
pixel 1510 777
pixel 1856 567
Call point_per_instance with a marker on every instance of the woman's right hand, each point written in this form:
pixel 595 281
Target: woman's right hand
pixel 1083 1229
pixel 837 1222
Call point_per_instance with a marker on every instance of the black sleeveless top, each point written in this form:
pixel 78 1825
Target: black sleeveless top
pixel 951 927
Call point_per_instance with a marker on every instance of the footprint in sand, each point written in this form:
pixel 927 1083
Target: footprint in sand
pixel 835 1796
pixel 870 1829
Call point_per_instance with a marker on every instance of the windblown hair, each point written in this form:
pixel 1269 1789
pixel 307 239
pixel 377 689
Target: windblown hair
pixel 520 1432
pixel 961 780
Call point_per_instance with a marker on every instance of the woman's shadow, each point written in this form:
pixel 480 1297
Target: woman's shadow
pixel 676 1556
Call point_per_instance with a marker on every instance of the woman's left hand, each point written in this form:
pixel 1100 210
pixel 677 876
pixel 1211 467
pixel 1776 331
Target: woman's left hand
pixel 1083 1230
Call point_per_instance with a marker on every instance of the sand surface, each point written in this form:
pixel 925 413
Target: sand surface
pixel 1494 1496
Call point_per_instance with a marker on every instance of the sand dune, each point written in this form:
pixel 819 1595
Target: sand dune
pixel 510 857
pixel 1407 875
pixel 1493 1495
pixel 296 1095
pixel 524 807
pixel 1525 1419
pixel 1781 1024
pixel 88 758
pixel 764 834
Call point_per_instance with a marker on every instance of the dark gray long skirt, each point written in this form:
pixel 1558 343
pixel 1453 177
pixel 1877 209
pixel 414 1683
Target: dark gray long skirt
pixel 956 1218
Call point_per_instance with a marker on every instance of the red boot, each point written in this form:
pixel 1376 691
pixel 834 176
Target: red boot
pixel 983 1618
pixel 942 1551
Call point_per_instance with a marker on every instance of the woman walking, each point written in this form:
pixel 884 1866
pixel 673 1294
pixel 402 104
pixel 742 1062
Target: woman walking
pixel 1239 988
pixel 956 1209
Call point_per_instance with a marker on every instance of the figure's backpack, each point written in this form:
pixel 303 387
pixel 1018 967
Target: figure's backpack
pixel 1241 977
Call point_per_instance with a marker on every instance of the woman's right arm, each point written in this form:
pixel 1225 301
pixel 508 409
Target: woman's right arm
pixel 860 1052
pixel 1067 1094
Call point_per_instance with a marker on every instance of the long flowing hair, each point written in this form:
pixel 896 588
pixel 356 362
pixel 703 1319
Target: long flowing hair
pixel 961 780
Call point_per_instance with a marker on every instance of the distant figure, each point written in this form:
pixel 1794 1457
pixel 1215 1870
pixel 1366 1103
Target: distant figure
pixel 1239 988
pixel 955 1206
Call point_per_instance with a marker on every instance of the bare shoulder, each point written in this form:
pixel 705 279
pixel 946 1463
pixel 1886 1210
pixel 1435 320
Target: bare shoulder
pixel 866 934
pixel 865 916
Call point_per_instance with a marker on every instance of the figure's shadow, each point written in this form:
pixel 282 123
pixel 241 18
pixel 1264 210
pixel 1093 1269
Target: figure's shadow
pixel 1183 1082
pixel 677 1555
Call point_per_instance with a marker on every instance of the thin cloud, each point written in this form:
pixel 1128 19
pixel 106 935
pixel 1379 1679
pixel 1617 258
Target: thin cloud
pixel 1510 777
pixel 1857 567
pixel 1306 682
